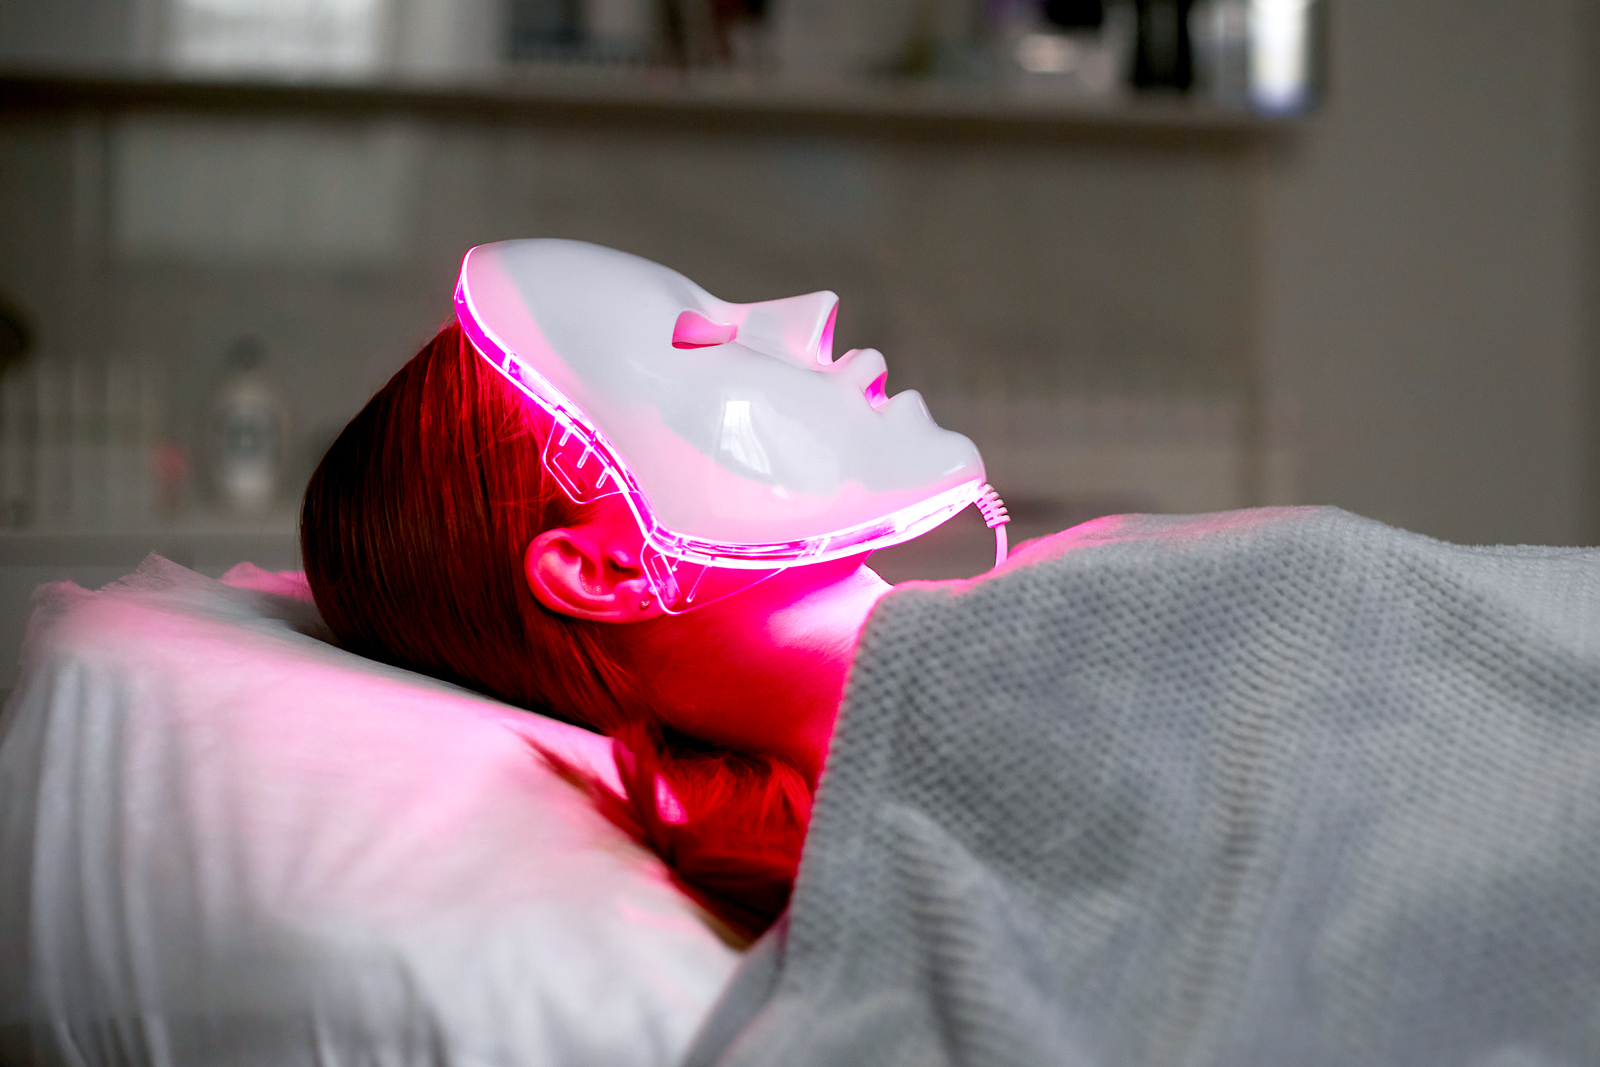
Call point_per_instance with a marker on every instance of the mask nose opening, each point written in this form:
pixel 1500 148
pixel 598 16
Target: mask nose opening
pixel 825 343
pixel 876 391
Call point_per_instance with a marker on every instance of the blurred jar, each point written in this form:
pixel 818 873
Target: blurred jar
pixel 1065 47
pixel 1264 55
pixel 249 432
pixel 1220 34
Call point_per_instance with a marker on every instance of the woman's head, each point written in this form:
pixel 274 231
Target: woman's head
pixel 434 539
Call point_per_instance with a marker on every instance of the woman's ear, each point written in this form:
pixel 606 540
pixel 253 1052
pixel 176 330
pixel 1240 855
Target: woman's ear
pixel 582 572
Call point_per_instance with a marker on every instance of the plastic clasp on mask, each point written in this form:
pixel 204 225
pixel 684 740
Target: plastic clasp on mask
pixel 586 474
pixel 577 464
pixel 681 584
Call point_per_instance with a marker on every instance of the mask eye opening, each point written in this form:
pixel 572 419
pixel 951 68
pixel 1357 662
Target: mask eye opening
pixel 694 330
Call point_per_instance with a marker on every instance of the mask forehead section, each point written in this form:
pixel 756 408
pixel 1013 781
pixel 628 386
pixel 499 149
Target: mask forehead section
pixel 606 316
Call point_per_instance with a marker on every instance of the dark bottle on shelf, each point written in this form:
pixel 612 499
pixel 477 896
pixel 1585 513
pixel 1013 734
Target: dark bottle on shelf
pixel 1162 58
pixel 1075 14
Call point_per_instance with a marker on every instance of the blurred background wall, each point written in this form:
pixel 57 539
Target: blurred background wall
pixel 1426 271
pixel 1131 300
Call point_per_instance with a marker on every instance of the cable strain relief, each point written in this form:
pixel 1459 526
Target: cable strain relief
pixel 991 507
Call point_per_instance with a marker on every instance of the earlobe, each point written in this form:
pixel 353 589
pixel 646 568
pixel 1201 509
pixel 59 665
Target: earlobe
pixel 574 571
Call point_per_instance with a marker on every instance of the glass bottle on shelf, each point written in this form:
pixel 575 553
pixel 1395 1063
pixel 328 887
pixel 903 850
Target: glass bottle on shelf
pixel 1261 55
pixel 249 433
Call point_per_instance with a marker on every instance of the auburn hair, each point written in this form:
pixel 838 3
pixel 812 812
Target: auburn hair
pixel 413 532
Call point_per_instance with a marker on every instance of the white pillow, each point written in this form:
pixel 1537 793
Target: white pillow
pixel 225 841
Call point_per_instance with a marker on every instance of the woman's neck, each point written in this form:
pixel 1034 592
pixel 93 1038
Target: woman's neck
pixel 762 670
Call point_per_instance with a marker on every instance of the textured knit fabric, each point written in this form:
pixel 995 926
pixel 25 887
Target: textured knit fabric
pixel 1280 787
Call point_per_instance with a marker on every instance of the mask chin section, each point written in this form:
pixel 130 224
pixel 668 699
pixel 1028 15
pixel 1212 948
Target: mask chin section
pixel 680 584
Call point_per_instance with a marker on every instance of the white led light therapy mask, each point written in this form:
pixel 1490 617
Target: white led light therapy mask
pixel 737 441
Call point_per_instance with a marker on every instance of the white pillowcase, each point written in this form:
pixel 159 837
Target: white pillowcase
pixel 225 841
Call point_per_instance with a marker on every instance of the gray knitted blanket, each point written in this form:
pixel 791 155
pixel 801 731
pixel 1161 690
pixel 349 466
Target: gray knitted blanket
pixel 1281 787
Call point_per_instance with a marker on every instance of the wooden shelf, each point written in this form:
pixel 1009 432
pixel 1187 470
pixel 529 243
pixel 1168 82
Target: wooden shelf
pixel 665 98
